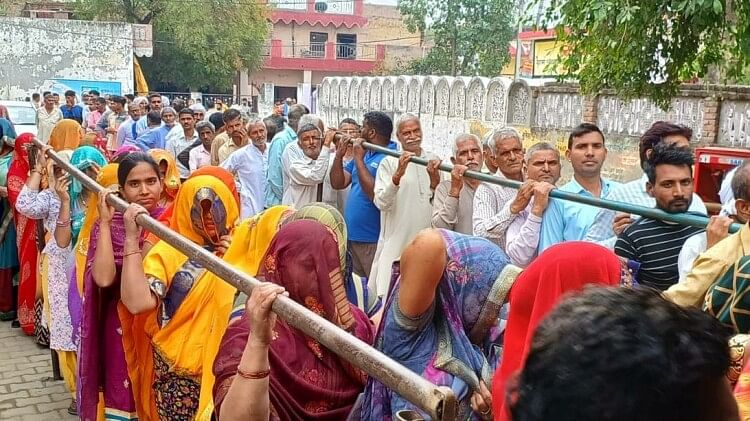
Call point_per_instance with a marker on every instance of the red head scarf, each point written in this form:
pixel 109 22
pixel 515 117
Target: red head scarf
pixel 561 269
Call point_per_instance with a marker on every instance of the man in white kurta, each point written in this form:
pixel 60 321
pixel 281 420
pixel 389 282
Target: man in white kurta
pixel 303 174
pixel 402 193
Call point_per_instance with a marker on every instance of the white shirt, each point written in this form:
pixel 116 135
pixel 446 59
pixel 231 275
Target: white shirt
pixel 691 249
pixel 45 122
pixel 522 241
pixel 176 143
pixel 405 210
pixel 303 175
pixel 199 157
pixel 249 166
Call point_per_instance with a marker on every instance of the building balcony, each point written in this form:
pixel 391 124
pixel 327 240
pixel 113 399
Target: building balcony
pixel 328 56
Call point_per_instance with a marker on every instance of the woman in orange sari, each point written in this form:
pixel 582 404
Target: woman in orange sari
pixel 186 308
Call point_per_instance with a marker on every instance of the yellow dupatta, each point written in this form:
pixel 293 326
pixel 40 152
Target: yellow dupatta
pixel 188 342
pixel 171 176
pixel 107 178
pixel 252 238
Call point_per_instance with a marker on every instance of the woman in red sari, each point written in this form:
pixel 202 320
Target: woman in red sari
pixel 27 235
pixel 562 269
pixel 307 381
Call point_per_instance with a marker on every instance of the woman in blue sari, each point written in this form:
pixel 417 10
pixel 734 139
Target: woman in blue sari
pixel 442 321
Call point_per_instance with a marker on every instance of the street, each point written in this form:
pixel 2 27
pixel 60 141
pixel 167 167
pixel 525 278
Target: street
pixel 27 391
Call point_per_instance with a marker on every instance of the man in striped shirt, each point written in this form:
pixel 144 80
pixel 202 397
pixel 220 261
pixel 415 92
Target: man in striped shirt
pixel 654 243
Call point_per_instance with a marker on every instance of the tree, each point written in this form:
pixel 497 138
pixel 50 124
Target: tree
pixel 471 37
pixel 648 48
pixel 197 43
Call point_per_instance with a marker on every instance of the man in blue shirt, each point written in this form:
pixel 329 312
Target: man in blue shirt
pixel 569 221
pixel 275 184
pixel 70 110
pixel 362 217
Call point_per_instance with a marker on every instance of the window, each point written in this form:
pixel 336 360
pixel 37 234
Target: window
pixel 318 44
pixel 346 46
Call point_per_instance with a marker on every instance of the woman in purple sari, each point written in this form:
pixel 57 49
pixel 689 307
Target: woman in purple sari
pixel 442 321
pixel 104 367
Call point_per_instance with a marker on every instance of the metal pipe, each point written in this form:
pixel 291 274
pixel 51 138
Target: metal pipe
pixel 653 213
pixel 438 402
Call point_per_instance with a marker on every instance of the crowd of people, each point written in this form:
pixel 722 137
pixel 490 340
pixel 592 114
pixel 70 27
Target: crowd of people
pixel 527 307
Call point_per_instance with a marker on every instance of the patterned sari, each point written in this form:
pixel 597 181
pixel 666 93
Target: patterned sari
pixel 561 269
pixel 308 382
pixel 171 349
pixel 8 245
pixel 457 342
pixel 28 251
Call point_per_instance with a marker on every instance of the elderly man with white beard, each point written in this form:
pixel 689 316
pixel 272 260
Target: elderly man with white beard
pixel 403 193
pixel 453 204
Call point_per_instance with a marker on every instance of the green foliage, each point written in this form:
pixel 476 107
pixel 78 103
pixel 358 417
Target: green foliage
pixel 649 47
pixel 197 43
pixel 471 37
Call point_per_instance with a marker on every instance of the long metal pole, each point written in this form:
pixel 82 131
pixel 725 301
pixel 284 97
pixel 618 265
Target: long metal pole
pixel 438 402
pixel 653 213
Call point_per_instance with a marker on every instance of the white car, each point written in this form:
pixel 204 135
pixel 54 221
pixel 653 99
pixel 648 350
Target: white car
pixel 23 116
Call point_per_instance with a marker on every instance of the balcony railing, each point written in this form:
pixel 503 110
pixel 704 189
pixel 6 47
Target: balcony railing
pixel 326 50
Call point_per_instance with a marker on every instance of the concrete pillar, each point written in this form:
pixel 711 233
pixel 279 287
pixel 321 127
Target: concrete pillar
pixel 711 112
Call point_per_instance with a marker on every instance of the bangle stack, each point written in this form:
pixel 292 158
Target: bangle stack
pixel 64 223
pixel 256 375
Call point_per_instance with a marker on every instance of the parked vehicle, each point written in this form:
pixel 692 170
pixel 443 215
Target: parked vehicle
pixel 23 116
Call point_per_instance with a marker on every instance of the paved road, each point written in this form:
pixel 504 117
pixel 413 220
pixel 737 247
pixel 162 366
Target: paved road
pixel 27 391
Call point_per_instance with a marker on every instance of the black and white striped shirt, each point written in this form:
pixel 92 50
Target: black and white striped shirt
pixel 656 245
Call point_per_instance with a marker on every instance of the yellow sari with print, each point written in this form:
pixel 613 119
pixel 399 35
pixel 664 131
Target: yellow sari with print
pixel 170 350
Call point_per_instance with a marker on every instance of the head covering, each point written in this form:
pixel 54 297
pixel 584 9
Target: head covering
pixel 457 342
pixel 83 158
pixel 252 237
pixel 307 380
pixel 66 134
pixel 187 217
pixel 7 132
pixel 172 176
pixel 124 150
pixel 21 154
pixel 561 269
pixel 357 290
pixel 220 173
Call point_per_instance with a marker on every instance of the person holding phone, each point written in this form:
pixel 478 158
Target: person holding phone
pixel 47 205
